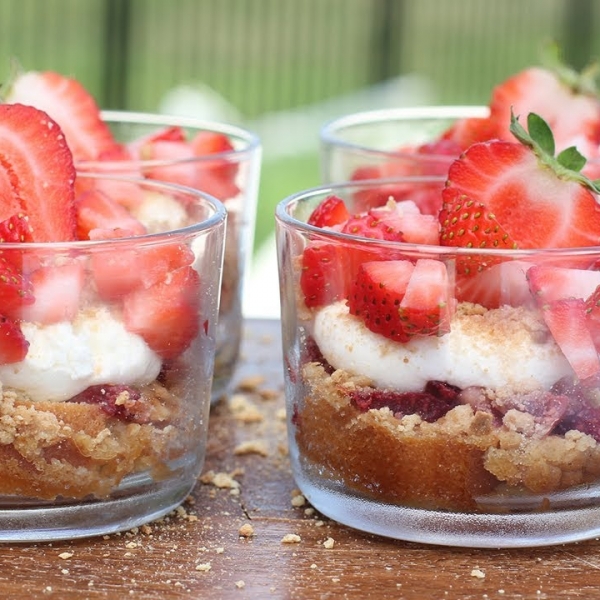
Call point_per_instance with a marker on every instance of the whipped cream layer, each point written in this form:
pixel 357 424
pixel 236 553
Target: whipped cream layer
pixel 505 347
pixel 67 357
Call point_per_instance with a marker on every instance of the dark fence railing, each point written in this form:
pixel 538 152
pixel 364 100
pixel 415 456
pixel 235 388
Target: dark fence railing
pixel 267 55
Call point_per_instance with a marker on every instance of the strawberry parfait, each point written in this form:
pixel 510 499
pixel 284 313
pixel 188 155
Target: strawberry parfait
pixel 442 364
pixel 107 339
pixel 217 158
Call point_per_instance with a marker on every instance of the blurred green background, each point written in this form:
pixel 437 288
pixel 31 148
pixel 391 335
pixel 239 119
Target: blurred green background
pixel 282 67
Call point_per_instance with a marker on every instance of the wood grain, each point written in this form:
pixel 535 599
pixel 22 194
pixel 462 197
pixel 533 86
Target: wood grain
pixel 198 552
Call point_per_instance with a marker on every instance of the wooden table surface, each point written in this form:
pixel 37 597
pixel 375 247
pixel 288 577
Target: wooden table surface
pixel 229 539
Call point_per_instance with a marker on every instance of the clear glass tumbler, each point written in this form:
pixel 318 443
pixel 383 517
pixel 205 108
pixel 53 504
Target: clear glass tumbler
pixel 217 158
pixel 390 142
pixel 474 430
pixel 106 397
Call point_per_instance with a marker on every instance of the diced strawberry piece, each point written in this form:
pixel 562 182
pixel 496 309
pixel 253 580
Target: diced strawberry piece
pixel 15 290
pixel 119 271
pixel 332 211
pixel 166 314
pixel 211 142
pixel 399 299
pixel 57 292
pixel 405 216
pixel 13 344
pixel 567 322
pixel 174 162
pixel 96 210
pixel 39 165
pixel 117 161
pixel 504 283
pixel 427 306
pixel 324 276
pixel 549 283
pixel 70 105
pixel 375 225
pixel 376 295
pixel 592 310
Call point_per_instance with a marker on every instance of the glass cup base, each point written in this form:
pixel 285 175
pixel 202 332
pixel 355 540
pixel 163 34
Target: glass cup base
pixel 514 530
pixel 138 500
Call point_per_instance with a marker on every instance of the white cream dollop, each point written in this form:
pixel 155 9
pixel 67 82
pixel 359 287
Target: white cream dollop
pixel 478 351
pixel 65 358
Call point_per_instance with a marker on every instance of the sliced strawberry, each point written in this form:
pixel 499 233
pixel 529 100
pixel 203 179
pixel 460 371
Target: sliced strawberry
pixel 566 319
pixel 166 314
pixel 399 299
pixel 539 201
pixel 70 105
pixel 96 210
pixel 13 344
pixel 15 290
pixel 16 229
pixel 331 211
pixel 39 165
pixel 405 217
pixel 121 270
pixel 57 292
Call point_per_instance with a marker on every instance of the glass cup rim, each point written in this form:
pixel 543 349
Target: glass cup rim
pixel 250 140
pixel 218 216
pixel 329 131
pixel 283 216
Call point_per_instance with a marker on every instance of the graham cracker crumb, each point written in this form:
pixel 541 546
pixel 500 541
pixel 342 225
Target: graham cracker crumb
pixel 329 543
pixel 65 555
pixel 478 573
pixel 298 500
pixel 240 584
pixel 246 530
pixel 244 410
pixel 251 447
pixel 204 567
pixel 291 538
pixel 251 383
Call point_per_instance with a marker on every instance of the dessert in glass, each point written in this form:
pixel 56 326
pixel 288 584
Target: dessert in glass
pixel 218 158
pixel 441 349
pixel 108 335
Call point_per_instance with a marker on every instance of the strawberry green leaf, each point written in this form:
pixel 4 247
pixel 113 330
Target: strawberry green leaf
pixel 571 158
pixel 541 133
